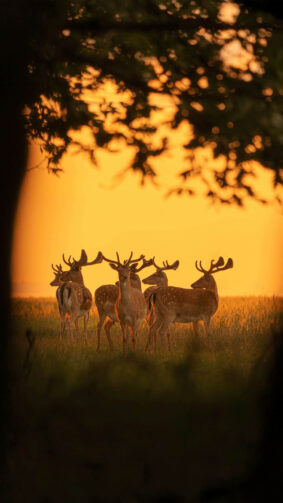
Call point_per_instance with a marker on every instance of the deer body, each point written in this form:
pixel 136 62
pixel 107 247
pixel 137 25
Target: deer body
pixel 184 305
pixel 106 297
pixel 130 309
pixel 73 297
pixel 74 301
pixel 158 279
pixel 130 306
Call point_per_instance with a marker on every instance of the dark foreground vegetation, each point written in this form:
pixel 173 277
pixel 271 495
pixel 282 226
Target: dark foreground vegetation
pixel 144 428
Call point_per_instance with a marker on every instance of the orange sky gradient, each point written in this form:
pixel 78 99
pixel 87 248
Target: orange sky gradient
pixel 79 210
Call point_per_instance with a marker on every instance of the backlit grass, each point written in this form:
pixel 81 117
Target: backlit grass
pixel 90 426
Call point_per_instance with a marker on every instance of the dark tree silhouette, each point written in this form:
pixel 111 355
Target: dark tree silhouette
pixel 14 57
pixel 150 48
pixel 55 52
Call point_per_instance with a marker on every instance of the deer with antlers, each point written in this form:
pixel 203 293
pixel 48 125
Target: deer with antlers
pixel 130 307
pixel 73 298
pixel 106 297
pixel 187 305
pixel 157 279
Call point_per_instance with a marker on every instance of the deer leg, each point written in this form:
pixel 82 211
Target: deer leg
pixel 152 334
pixel 102 317
pixel 128 332
pixel 162 333
pixel 62 328
pixel 164 330
pixel 168 340
pixel 134 335
pixel 134 340
pixel 196 328
pixel 206 323
pixel 109 323
pixel 63 322
pixel 150 320
pixel 125 337
pixel 151 317
pixel 70 329
pixel 138 323
pixel 86 318
pixel 77 327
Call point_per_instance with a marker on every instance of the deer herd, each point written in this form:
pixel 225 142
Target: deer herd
pixel 124 302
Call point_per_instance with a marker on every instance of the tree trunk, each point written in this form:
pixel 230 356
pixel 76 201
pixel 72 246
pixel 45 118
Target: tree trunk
pixel 13 38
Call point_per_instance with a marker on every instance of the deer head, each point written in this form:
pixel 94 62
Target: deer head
pixel 76 265
pixel 159 275
pixel 135 279
pixel 83 260
pixel 60 275
pixel 207 281
pixel 124 270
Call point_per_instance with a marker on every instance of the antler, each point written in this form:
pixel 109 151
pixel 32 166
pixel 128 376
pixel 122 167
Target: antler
pixel 112 261
pixel 126 262
pixel 57 269
pixel 146 263
pixel 130 260
pixel 215 267
pixel 229 264
pixel 166 266
pixel 84 261
pixel 68 262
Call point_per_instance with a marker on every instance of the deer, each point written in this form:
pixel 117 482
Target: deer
pixel 73 298
pixel 130 306
pixel 158 279
pixel 185 305
pixel 106 297
pixel 61 280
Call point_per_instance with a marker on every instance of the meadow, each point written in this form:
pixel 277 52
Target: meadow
pixel 164 427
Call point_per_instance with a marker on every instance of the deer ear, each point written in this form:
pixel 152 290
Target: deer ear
pixel 114 267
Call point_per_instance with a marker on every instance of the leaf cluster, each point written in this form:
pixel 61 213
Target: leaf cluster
pixel 223 77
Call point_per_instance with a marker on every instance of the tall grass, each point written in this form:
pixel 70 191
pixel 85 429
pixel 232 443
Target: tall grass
pixel 90 426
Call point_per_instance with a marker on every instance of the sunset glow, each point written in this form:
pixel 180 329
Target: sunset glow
pixel 83 208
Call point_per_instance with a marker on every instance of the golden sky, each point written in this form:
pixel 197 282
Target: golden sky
pixel 79 210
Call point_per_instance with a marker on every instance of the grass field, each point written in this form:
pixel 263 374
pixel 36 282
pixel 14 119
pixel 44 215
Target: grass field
pixel 142 428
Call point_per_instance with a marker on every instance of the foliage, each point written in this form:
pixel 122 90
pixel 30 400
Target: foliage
pixel 146 428
pixel 148 50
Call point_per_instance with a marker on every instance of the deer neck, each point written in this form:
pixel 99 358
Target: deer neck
pixel 125 289
pixel 164 281
pixel 77 277
pixel 135 281
pixel 214 290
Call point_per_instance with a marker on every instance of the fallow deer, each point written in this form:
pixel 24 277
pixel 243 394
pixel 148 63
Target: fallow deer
pixel 63 295
pixel 130 307
pixel 187 305
pixel 73 298
pixel 106 297
pixel 158 279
